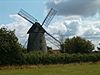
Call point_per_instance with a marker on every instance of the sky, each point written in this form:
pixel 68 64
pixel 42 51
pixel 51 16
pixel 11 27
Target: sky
pixel 9 7
pixel 73 18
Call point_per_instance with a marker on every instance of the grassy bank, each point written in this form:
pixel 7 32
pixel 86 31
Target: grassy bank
pixel 68 69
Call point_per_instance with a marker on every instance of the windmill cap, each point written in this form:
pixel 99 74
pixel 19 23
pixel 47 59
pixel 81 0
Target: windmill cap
pixel 36 27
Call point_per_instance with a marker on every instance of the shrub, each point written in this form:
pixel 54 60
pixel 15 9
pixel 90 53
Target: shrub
pixel 63 58
pixel 9 48
pixel 77 45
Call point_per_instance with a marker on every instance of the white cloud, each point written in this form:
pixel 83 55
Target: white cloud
pixel 80 18
pixel 69 26
pixel 21 27
pixel 57 27
pixel 57 1
pixel 88 28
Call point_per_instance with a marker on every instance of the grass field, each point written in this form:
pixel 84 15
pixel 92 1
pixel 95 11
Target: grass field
pixel 68 69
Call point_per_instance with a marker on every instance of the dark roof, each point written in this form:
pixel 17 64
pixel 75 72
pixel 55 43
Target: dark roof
pixel 36 27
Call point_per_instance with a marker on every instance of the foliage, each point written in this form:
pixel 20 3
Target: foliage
pixel 9 47
pixel 77 45
pixel 11 52
pixel 62 58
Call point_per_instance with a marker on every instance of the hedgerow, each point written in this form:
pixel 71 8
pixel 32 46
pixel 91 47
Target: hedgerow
pixel 62 58
pixel 34 58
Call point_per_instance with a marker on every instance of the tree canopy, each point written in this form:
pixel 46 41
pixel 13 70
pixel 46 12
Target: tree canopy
pixel 77 45
pixel 9 46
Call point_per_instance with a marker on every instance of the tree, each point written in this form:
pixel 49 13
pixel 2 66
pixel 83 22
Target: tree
pixel 77 45
pixel 9 47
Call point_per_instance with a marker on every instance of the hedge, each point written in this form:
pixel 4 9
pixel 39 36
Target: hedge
pixel 47 58
pixel 62 58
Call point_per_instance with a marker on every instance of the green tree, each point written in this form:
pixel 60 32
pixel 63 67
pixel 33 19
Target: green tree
pixel 9 47
pixel 77 45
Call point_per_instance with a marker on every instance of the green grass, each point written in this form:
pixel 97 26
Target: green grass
pixel 68 69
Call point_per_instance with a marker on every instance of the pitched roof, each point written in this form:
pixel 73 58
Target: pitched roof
pixel 36 28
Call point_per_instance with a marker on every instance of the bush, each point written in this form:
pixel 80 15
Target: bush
pixel 9 48
pixel 63 58
pixel 77 45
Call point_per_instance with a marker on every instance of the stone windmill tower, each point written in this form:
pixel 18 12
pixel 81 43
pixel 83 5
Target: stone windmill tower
pixel 36 40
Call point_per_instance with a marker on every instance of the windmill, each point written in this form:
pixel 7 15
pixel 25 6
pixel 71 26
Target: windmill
pixel 36 39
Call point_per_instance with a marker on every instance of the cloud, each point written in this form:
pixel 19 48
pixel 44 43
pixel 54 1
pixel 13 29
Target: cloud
pixel 79 18
pixel 21 27
pixel 75 7
pixel 57 27
pixel 88 28
pixel 70 26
